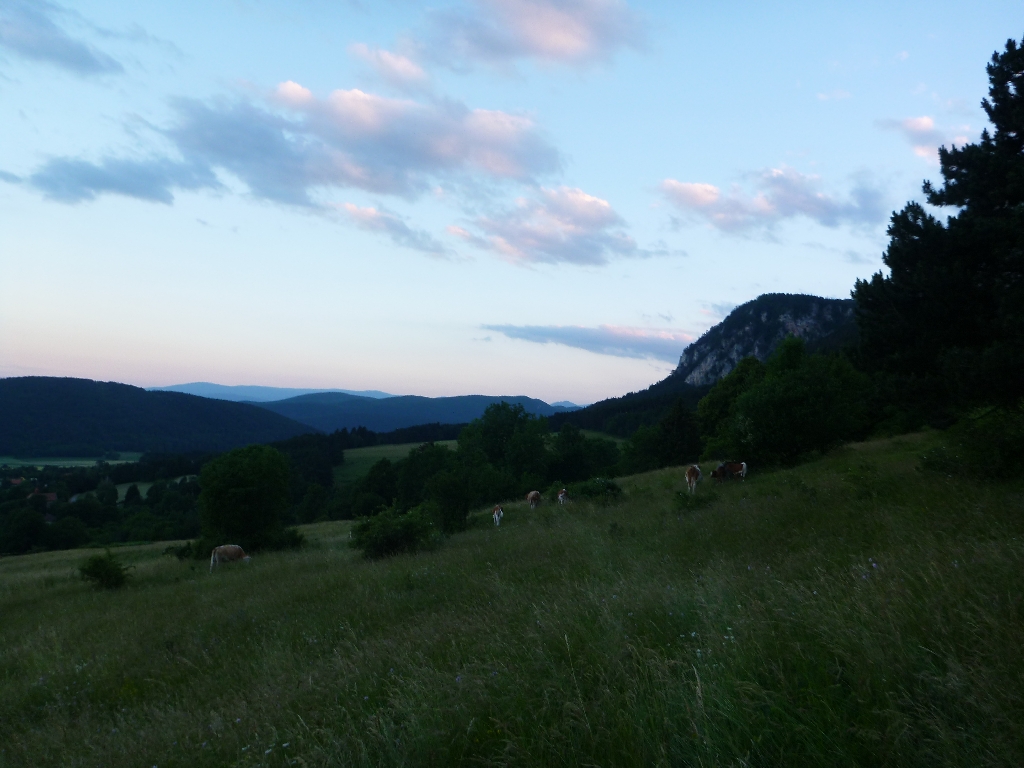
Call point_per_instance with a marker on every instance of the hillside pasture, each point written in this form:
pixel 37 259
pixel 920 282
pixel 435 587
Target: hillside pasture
pixel 359 460
pixel 854 610
pixel 124 457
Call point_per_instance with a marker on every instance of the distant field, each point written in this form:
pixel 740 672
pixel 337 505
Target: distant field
pixel 11 461
pixel 359 460
pixel 603 436
pixel 852 611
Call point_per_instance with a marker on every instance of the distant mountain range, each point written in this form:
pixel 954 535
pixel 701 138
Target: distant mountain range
pixel 256 394
pixel 328 411
pixel 44 416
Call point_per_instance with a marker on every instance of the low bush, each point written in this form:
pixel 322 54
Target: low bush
pixel 392 532
pixel 104 571
pixel 986 443
pixel 597 489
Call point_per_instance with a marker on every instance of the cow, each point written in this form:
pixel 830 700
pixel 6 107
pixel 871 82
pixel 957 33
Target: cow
pixel 498 514
pixel 534 498
pixel 227 553
pixel 728 470
pixel 693 476
pixel 563 496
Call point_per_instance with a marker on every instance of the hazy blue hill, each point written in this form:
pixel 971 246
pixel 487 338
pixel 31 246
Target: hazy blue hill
pixel 256 394
pixel 328 411
pixel 46 416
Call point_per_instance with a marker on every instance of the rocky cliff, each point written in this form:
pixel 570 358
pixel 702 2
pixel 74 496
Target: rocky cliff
pixel 757 327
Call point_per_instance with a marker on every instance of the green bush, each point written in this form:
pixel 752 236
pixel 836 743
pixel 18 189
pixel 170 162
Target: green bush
pixel 392 532
pixel 597 489
pixel 104 571
pixel 988 442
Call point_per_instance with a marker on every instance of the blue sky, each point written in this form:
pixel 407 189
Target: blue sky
pixel 539 197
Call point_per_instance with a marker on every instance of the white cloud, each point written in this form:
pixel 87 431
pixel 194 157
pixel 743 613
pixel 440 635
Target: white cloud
pixel 836 95
pixel 555 31
pixel 394 68
pixel 385 222
pixel 779 194
pixel 295 146
pixel 924 136
pixel 615 340
pixel 564 225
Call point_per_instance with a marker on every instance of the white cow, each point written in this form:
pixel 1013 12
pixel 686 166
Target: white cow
pixel 563 496
pixel 227 553
pixel 534 498
pixel 498 514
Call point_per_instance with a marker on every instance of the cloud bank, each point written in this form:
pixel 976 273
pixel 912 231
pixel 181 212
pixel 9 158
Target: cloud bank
pixel 618 341
pixel 28 29
pixel 779 194
pixel 553 31
pixel 292 145
pixel 562 225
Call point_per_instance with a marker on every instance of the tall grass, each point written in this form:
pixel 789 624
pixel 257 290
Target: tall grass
pixel 851 611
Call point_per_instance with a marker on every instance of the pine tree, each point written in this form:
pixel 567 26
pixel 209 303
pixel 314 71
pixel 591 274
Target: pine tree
pixel 952 308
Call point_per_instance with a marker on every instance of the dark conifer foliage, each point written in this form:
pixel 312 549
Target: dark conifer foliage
pixel 949 318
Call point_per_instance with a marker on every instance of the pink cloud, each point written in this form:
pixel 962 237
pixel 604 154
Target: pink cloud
pixel 779 194
pixel 554 31
pixel 564 225
pixel 394 68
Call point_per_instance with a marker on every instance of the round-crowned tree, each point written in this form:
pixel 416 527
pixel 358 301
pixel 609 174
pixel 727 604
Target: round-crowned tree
pixel 243 496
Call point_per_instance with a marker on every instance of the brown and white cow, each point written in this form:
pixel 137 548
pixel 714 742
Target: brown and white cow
pixel 498 514
pixel 728 470
pixel 693 476
pixel 534 498
pixel 563 496
pixel 227 553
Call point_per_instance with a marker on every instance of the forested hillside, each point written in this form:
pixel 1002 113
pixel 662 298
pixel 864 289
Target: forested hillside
pixel 44 416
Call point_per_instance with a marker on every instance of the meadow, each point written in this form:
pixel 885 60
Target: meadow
pixel 854 610
pixel 124 457
pixel 359 460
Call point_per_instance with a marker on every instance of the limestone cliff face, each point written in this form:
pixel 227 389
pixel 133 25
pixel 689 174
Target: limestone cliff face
pixel 757 327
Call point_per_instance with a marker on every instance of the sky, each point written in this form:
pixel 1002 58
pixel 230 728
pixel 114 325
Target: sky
pixel 508 197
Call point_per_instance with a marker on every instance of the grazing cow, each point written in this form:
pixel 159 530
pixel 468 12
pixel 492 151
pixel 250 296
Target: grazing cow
pixel 693 476
pixel 563 496
pixel 498 514
pixel 227 553
pixel 534 498
pixel 728 470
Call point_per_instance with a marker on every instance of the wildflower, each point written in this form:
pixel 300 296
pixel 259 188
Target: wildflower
pixel 458 678
pixel 285 745
pixel 366 698
pixel 267 752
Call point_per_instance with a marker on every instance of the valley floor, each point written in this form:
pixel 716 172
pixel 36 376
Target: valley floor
pixel 854 610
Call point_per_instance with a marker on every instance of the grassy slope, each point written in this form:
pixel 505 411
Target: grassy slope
pixel 359 460
pixel 850 611
pixel 11 461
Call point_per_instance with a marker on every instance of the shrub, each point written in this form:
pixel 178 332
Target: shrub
pixel 104 571
pixel 597 489
pixel 392 532
pixel 987 443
